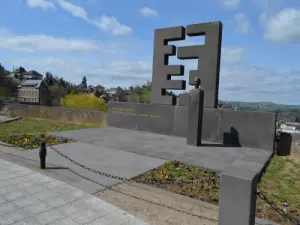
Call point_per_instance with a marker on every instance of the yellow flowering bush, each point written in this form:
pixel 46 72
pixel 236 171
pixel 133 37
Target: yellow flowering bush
pixel 83 101
pixel 33 141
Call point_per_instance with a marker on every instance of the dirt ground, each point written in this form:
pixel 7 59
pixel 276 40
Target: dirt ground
pixel 185 211
pixel 158 215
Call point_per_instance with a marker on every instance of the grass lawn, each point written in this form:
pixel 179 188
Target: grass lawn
pixel 280 184
pixel 25 131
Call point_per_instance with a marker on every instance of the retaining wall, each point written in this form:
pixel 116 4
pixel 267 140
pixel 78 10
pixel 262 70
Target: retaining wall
pixel 56 113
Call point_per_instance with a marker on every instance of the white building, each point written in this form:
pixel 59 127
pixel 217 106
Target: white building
pixel 290 127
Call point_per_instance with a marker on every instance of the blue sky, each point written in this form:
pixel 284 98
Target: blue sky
pixel 111 42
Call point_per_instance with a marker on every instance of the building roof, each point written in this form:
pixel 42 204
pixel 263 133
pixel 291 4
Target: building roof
pixel 32 72
pixel 32 83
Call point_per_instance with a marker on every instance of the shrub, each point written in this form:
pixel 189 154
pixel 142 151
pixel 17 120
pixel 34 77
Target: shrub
pixel 83 101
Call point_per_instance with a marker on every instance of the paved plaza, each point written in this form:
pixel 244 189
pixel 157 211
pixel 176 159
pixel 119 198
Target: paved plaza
pixel 209 155
pixel 31 198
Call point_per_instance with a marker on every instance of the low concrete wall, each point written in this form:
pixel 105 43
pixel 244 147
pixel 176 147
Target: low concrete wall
pixel 231 128
pixel 57 113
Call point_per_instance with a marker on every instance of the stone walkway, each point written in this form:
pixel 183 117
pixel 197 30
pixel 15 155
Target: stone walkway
pixel 31 198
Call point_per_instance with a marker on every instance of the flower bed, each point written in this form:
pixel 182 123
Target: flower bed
pixel 33 141
pixel 191 181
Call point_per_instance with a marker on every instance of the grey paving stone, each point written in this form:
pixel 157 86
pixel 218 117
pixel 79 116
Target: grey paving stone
pixel 12 217
pixel 7 207
pixel 4 184
pixel 10 188
pixel 135 221
pixel 28 221
pixel 36 208
pixel 19 180
pixel 2 199
pixel 14 195
pixel 29 200
pixel 118 217
pixel 79 193
pixel 47 194
pixel 92 200
pixel 73 207
pixel 65 221
pixel 36 188
pixel 61 200
pixel 103 208
pixel 54 184
pixel 102 221
pixel 39 178
pixel 26 184
pixel 85 216
pixel 49 216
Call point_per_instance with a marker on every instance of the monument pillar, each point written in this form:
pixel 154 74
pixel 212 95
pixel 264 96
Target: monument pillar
pixel 195 115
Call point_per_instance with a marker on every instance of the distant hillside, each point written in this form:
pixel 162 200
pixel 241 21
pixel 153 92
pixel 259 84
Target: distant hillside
pixel 285 112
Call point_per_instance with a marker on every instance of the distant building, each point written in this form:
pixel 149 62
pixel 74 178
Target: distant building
pixel 117 95
pixel 32 75
pixel 29 75
pixel 33 92
pixel 290 127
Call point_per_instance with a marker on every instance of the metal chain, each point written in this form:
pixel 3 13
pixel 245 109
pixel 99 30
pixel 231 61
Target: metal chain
pixel 259 194
pixel 277 209
pixel 111 188
pixel 208 180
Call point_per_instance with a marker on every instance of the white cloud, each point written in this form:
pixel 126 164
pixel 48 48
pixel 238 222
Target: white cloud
pixel 40 4
pixel 242 23
pixel 283 27
pixel 148 12
pixel 269 5
pixel 111 24
pixel 233 55
pixel 259 84
pixel 31 43
pixel 109 73
pixel 75 11
pixel 231 4
pixel 105 23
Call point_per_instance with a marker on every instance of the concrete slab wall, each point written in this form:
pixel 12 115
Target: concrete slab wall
pixel 56 113
pixel 228 127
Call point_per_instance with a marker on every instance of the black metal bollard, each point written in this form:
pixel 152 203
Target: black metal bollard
pixel 43 153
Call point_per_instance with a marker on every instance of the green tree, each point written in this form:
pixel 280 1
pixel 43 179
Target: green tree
pixel 84 82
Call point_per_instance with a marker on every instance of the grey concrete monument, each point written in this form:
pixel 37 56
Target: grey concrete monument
pixel 208 56
pixel 247 135
pixel 195 115
pixel 161 71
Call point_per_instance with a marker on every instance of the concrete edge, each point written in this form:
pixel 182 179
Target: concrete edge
pixel 10 120
pixel 200 203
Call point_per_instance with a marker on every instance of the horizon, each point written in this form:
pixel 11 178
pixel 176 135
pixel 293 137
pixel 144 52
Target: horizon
pixel 113 46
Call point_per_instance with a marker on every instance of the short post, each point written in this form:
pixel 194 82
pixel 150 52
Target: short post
pixel 43 153
pixel 237 197
pixel 195 115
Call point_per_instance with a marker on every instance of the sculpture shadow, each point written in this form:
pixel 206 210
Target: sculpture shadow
pixel 232 138
pixel 56 168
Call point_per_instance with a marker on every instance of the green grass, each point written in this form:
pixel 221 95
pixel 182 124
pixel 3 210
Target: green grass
pixel 280 184
pixel 23 132
pixel 35 126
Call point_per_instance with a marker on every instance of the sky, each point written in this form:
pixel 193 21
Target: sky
pixel 111 42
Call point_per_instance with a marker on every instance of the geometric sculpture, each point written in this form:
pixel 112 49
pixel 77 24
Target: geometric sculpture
pixel 208 56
